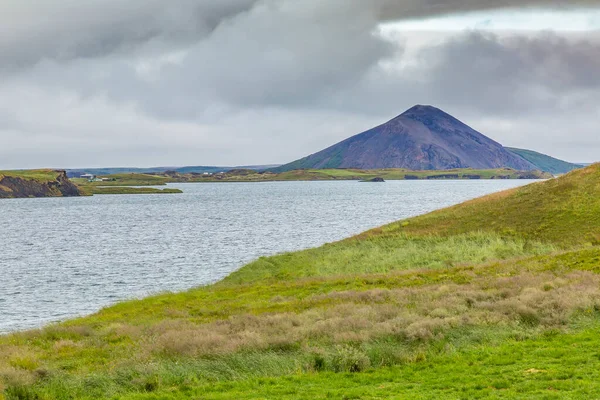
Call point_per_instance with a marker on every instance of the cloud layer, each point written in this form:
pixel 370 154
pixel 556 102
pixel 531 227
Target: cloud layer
pixel 135 82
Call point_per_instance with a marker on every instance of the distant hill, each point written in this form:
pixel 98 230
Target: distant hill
pixel 75 173
pixel 422 138
pixel 544 162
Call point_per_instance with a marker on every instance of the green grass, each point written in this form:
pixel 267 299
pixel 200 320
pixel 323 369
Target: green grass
pixel 98 190
pixel 544 162
pixel 495 298
pixel 565 211
pixel 41 175
pixel 389 254
pixel 545 367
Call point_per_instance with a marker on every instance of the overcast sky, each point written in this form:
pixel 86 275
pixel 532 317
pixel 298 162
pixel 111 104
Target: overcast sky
pixel 236 82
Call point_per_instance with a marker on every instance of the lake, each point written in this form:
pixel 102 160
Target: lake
pixel 66 257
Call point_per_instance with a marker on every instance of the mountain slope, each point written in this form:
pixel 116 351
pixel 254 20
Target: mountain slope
pixel 545 163
pixel 423 138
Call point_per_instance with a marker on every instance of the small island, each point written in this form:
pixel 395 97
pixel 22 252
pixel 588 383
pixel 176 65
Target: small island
pixel 374 180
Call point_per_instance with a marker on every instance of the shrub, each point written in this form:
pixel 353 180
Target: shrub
pixel 349 359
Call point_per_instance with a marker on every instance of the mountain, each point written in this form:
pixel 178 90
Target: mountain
pixel 545 163
pixel 423 138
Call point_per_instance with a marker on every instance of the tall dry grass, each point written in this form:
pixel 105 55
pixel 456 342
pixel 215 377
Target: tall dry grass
pixel 409 315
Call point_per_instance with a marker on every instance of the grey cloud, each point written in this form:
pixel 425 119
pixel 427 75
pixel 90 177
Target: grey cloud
pixel 515 74
pixel 394 10
pixel 70 29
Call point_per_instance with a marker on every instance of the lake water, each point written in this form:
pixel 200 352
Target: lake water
pixel 65 257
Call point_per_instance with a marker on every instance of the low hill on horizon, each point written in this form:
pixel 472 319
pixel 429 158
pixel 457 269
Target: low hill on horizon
pixel 544 162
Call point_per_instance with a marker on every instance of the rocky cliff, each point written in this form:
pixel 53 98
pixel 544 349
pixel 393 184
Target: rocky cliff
pixel 38 183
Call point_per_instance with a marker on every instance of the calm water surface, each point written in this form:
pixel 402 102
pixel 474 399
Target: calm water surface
pixel 67 257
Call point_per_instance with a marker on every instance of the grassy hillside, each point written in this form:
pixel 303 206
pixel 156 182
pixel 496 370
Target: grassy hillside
pixel 544 162
pixel 495 298
pixel 565 211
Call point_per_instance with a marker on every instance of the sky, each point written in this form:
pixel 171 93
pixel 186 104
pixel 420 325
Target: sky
pixel 244 82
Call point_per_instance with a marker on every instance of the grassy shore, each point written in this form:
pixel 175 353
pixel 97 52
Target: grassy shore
pixel 125 184
pixel 498 297
pixel 126 180
pixel 357 175
pixel 133 183
pixel 98 190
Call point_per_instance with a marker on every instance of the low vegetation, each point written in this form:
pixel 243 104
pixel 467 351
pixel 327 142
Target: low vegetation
pixel 246 175
pixel 125 184
pixel 133 183
pixel 495 298
pixel 125 180
pixel 97 190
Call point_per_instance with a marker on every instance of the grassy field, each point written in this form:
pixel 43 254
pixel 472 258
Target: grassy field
pixel 496 298
pixel 41 175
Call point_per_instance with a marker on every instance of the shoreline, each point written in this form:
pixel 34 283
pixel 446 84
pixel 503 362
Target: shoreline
pixel 193 287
